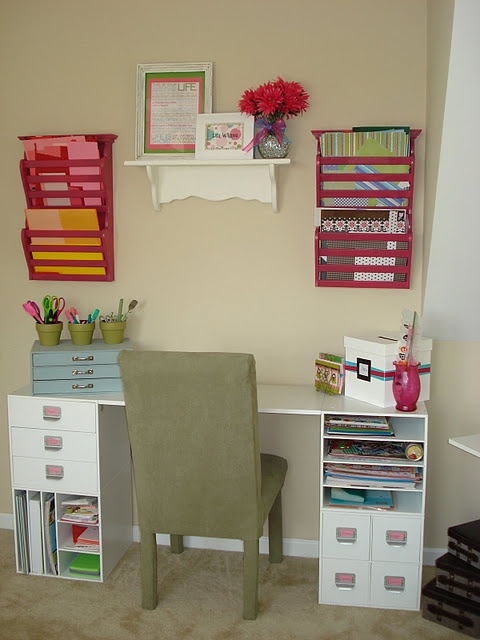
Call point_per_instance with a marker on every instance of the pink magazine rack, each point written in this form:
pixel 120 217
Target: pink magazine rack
pixel 79 184
pixel 346 256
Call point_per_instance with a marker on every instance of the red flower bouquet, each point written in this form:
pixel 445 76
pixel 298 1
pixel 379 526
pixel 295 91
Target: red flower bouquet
pixel 272 103
pixel 277 100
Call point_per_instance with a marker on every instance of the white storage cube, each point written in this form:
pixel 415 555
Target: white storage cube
pixel 369 368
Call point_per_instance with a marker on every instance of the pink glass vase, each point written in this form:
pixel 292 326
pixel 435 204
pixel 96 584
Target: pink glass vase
pixel 406 386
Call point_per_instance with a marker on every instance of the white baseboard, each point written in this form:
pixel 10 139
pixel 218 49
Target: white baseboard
pixel 6 521
pixel 430 555
pixel 291 546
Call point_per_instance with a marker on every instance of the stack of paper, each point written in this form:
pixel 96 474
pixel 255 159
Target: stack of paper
pixel 355 424
pixel 364 475
pixel 361 498
pixel 80 510
pixel 42 219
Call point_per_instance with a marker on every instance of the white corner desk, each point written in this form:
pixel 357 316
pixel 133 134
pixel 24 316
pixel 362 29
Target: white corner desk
pixel 470 444
pixel 71 446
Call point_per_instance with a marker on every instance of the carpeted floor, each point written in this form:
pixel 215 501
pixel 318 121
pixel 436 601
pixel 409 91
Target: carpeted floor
pixel 200 597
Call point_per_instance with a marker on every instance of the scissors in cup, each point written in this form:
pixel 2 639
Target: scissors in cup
pixel 52 307
pixel 33 310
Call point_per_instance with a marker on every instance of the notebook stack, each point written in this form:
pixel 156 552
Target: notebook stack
pixel 452 598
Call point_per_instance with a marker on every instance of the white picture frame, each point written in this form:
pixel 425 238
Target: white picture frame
pixel 223 136
pixel 169 97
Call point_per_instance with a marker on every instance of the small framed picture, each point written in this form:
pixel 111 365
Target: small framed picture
pixel 224 136
pixel 169 97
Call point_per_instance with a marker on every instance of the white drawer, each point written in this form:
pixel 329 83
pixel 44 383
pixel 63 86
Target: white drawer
pixel 396 539
pixel 54 475
pixel 53 445
pixel 345 535
pixel 345 582
pixel 51 413
pixel 395 586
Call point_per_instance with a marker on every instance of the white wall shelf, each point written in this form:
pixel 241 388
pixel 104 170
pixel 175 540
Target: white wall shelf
pixel 176 179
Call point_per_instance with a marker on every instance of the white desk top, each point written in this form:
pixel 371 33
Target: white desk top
pixel 272 398
pixel 470 444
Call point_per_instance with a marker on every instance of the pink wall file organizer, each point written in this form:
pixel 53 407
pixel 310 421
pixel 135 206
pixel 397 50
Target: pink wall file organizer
pixel 69 225
pixel 361 201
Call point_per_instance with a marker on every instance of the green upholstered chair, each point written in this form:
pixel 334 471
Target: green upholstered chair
pixel 193 425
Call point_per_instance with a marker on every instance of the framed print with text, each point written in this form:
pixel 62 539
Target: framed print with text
pixel 169 98
pixel 224 136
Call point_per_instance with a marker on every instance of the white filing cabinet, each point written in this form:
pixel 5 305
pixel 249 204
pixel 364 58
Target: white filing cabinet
pixel 63 449
pixel 372 557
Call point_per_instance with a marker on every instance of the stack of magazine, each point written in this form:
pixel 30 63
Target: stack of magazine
pixel 81 510
pixel 371 476
pixel 356 450
pixel 358 425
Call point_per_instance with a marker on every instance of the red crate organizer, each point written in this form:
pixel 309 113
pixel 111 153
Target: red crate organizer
pixel 336 252
pixel 34 175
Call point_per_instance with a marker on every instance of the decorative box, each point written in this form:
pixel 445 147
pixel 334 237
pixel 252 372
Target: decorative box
pixel 71 369
pixel 450 610
pixel 369 367
pixel 464 542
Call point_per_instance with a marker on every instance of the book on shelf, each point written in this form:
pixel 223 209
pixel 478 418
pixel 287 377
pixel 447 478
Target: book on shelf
pixel 361 498
pixel 359 425
pixel 347 430
pixel 372 475
pixel 22 531
pixel 381 422
pixel 361 450
pixel 368 483
pixel 35 533
pixel 82 501
pixel 80 510
pixel 50 535
pixel 374 470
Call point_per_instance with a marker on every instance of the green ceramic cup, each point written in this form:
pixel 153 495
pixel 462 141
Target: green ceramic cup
pixel 49 334
pixel 81 334
pixel 113 332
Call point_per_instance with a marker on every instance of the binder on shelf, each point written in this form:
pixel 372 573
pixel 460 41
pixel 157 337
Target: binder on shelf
pixel 86 563
pixel 23 556
pixel 35 533
pixel 50 535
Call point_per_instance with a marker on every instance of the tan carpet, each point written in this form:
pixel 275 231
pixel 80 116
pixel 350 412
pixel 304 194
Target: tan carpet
pixel 200 595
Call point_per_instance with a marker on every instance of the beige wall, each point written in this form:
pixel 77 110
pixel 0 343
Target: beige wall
pixel 230 275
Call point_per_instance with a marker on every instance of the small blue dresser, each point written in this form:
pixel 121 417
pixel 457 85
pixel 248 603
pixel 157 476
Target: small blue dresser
pixel 70 369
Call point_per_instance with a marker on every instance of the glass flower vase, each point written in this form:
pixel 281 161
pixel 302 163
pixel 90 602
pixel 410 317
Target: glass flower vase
pixel 406 386
pixel 269 147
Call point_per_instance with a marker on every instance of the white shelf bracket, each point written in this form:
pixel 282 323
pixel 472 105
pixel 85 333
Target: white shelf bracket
pixel 178 179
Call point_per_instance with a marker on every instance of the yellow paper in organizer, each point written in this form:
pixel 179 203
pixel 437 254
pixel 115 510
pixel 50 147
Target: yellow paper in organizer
pixel 65 220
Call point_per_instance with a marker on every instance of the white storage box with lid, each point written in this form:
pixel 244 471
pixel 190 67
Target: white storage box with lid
pixel 369 367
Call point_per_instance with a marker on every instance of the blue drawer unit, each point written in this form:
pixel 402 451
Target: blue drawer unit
pixel 71 369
